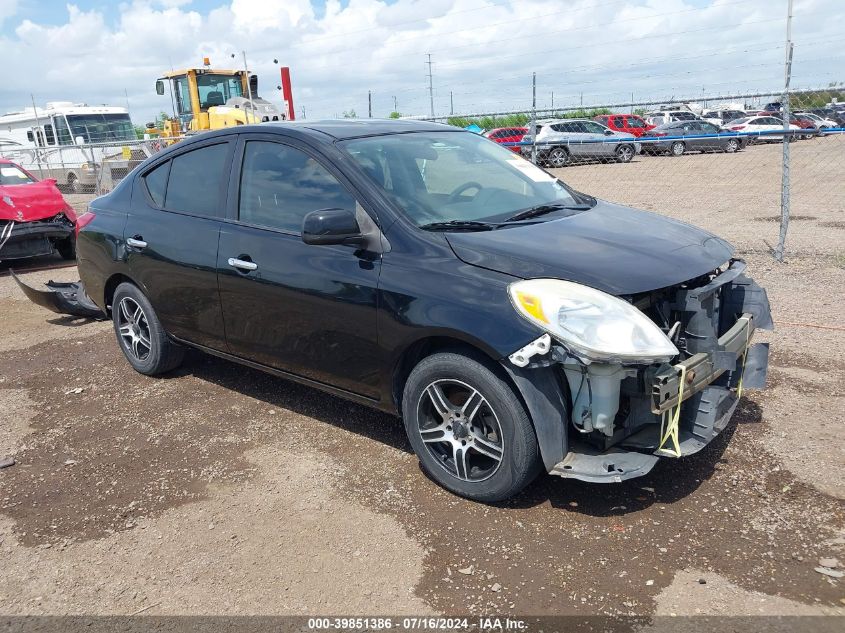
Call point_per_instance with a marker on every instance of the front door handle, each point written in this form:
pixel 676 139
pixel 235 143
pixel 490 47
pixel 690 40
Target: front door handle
pixel 242 264
pixel 136 242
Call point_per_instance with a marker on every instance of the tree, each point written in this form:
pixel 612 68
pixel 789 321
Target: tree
pixel 350 114
pixel 395 115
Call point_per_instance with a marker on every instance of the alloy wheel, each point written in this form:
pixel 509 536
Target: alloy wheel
pixel 732 146
pixel 625 153
pixel 678 148
pixel 133 328
pixel 558 157
pixel 460 430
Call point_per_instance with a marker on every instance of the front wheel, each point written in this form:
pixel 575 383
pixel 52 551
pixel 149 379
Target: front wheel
pixel 141 337
pixel 469 428
pixel 625 153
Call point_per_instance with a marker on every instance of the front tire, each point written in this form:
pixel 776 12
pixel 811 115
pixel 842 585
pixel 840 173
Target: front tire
pixel 67 248
pixel 469 428
pixel 139 333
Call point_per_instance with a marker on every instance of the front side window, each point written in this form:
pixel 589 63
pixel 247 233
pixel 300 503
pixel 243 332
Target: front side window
pixel 194 182
pixel 101 128
pixel 442 176
pixel 62 130
pixel 14 175
pixel 48 132
pixel 280 185
pixel 592 127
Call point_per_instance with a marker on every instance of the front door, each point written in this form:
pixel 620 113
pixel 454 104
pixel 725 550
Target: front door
pixel 308 310
pixel 171 239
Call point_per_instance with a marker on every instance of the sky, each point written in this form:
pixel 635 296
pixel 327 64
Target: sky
pixel 483 52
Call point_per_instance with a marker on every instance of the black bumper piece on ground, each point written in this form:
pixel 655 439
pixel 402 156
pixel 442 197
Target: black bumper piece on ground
pixel 62 298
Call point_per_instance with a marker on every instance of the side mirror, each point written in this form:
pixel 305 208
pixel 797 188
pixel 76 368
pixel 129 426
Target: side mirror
pixel 608 132
pixel 159 87
pixel 331 226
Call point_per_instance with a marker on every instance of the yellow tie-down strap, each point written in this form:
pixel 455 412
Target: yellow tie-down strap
pixel 670 418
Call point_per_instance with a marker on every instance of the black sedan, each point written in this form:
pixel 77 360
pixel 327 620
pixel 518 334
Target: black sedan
pixel 680 137
pixel 514 324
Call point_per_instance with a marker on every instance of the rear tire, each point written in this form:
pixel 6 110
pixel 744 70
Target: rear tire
pixel 479 441
pixel 678 148
pixel 73 184
pixel 732 146
pixel 140 335
pixel 558 157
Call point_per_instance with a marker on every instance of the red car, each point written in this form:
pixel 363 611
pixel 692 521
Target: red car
pixel 507 135
pixel 630 123
pixel 34 218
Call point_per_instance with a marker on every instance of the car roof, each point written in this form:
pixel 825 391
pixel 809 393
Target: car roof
pixel 355 128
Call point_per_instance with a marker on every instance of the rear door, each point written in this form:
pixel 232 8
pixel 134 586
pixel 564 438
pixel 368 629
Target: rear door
pixel 304 309
pixel 171 238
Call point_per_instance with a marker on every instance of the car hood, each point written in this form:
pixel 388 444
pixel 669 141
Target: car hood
pixel 33 201
pixel 612 248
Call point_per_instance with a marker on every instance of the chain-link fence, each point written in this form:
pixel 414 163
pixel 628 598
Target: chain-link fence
pixel 699 161
pixel 694 161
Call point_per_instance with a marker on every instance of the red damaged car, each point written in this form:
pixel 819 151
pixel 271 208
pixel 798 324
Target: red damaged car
pixel 34 217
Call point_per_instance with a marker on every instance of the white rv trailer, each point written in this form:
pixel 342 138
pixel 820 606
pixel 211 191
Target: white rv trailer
pixel 49 141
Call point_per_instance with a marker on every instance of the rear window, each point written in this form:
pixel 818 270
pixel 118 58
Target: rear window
pixel 195 181
pixel 156 183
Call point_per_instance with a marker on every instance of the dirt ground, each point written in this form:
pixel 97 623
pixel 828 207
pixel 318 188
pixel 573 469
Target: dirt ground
pixel 222 490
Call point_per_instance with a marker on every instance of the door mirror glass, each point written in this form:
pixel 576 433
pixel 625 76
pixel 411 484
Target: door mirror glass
pixel 331 226
pixel 159 87
pixel 608 132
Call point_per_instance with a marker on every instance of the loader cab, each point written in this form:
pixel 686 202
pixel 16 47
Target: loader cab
pixel 197 90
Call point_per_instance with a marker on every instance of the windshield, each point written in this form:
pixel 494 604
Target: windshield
pixel 455 176
pixel 14 175
pixel 101 128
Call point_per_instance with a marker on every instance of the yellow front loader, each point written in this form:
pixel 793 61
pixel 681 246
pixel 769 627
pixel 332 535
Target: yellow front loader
pixel 206 99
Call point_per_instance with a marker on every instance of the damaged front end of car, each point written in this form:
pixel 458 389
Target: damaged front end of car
pixel 634 391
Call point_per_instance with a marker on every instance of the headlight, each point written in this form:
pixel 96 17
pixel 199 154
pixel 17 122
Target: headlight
pixel 591 323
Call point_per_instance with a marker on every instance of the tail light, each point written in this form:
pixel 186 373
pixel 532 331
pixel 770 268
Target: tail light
pixel 738 127
pixel 83 221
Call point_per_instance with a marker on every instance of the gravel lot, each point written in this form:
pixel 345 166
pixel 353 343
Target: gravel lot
pixel 222 490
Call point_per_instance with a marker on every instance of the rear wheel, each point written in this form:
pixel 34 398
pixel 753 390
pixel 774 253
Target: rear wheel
pixel 732 146
pixel 678 148
pixel 558 157
pixel 625 153
pixel 140 334
pixel 468 428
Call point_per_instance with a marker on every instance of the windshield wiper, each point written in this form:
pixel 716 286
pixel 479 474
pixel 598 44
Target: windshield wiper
pixel 543 209
pixel 457 225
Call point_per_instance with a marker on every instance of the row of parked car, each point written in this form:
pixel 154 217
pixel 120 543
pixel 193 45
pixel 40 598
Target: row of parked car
pixel 675 132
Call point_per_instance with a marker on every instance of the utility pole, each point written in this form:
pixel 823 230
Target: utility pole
pixel 249 89
pixel 533 129
pixel 451 104
pixel 395 106
pixel 369 104
pixel 785 185
pixel 430 86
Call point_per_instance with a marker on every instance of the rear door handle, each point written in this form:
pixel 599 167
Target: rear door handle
pixel 135 242
pixel 242 264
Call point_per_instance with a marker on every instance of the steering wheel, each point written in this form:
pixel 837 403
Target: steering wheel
pixel 453 197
